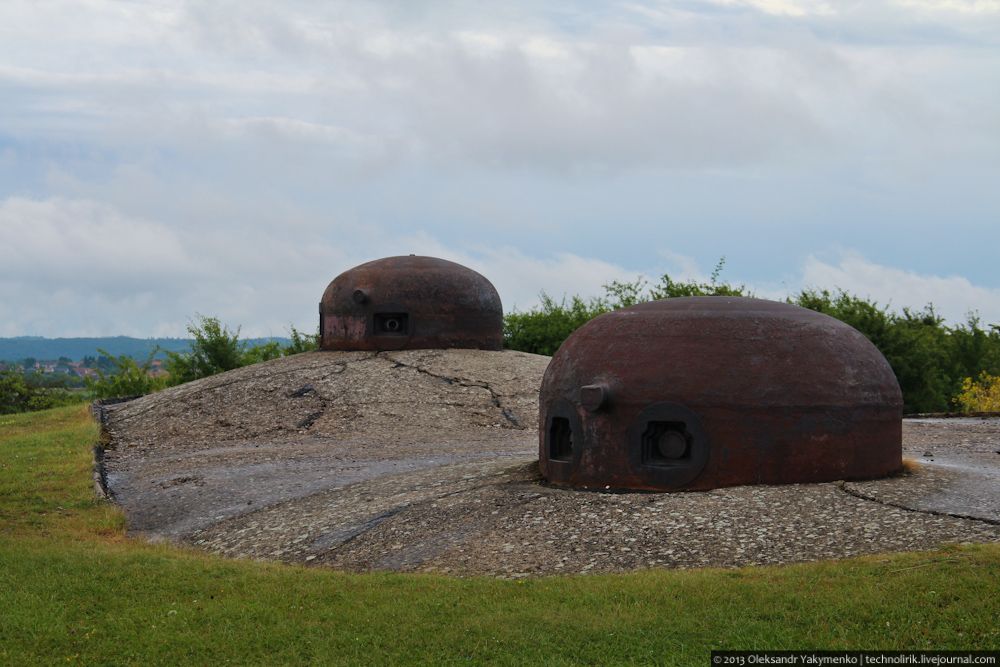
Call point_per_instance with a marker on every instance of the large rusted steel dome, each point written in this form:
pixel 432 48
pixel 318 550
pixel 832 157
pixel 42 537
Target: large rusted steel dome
pixel 410 302
pixel 704 392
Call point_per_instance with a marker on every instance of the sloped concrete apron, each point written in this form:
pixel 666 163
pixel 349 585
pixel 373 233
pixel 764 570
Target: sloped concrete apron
pixel 426 461
pixel 959 469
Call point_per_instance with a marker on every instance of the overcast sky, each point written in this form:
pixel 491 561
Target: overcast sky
pixel 161 159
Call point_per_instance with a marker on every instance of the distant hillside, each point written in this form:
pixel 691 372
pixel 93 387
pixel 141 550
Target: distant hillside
pixel 37 347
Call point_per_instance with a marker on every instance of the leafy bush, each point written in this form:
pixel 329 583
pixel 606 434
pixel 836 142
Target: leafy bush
pixel 624 294
pixel 127 377
pixel 215 349
pixel 301 342
pixel 981 395
pixel 914 343
pixel 18 395
pixel 255 354
pixel 543 329
pixel 933 362
pixel 56 380
pixel 931 359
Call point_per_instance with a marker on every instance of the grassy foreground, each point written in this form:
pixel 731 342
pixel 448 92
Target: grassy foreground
pixel 73 589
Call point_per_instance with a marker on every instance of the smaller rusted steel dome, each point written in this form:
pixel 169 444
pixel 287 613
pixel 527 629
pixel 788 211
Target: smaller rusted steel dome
pixel 410 302
pixel 704 392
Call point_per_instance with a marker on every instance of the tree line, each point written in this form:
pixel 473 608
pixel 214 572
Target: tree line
pixel 940 367
pixel 214 349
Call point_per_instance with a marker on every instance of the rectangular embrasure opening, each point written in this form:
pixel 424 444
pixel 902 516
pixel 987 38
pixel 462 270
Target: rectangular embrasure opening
pixel 560 439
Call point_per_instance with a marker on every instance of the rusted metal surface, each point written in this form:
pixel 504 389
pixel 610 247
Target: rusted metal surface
pixel 705 392
pixel 410 302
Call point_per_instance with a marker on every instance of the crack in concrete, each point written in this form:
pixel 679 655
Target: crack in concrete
pixel 354 532
pixel 465 382
pixel 888 503
pixel 188 392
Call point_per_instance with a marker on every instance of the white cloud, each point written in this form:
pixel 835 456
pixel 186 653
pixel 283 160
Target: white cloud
pixel 953 297
pixel 957 6
pixel 78 267
pixel 230 158
pixel 781 7
pixel 478 91
pixel 58 241
pixel 520 278
pixel 71 267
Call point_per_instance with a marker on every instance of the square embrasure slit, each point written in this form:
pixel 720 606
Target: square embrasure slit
pixel 392 324
pixel 560 439
pixel 665 444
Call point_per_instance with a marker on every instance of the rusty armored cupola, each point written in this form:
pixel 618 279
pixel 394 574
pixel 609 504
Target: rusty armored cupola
pixel 705 392
pixel 410 302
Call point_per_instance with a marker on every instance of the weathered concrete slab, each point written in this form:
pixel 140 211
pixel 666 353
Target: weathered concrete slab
pixel 426 461
pixel 221 447
pixel 958 473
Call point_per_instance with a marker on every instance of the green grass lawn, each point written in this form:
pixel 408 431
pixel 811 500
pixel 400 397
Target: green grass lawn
pixel 74 589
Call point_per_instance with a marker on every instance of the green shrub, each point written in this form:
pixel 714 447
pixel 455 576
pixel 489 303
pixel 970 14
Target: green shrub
pixel 126 378
pixel 914 343
pixel 543 329
pixel 18 395
pixel 254 354
pixel 214 349
pixel 930 359
pixel 624 294
pixel 980 395
pixel 974 350
pixel 301 342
